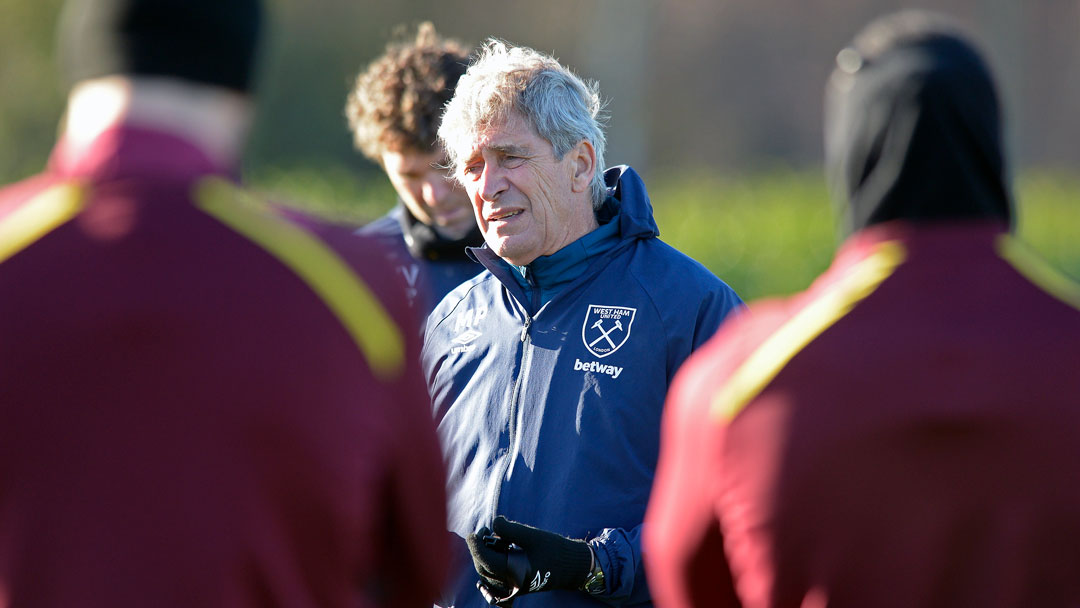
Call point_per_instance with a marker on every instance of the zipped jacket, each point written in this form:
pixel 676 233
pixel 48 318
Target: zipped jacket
pixel 549 413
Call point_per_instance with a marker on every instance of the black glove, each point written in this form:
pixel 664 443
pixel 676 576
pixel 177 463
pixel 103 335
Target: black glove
pixel 513 559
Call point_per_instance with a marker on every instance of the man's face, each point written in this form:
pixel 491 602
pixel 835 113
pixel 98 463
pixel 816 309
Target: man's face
pixel 522 196
pixel 429 194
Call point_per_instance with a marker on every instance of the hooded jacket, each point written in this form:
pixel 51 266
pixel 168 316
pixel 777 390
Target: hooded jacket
pixel 904 432
pixel 549 413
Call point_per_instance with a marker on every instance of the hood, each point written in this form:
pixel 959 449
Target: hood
pixel 629 202
pixel 913 132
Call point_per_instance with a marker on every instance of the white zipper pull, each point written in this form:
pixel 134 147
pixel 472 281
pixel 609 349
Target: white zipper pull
pixel 525 328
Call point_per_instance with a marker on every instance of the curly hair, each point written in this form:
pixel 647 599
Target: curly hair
pixel 397 102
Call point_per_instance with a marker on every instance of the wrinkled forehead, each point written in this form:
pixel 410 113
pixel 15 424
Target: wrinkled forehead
pixel 506 133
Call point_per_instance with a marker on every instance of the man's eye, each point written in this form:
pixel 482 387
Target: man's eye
pixel 513 161
pixel 472 170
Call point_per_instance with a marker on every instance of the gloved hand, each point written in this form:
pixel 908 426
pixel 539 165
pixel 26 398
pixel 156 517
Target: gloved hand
pixel 513 559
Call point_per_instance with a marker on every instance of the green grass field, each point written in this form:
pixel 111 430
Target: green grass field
pixel 765 234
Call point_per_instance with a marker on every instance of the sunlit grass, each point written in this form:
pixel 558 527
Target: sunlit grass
pixel 333 192
pixel 765 234
pixel 772 233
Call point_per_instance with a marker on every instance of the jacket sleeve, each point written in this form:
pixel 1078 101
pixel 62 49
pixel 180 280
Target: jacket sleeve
pixel 619 552
pixel 683 544
pixel 715 309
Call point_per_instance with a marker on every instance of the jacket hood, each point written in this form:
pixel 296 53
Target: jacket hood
pixel 629 202
pixel 913 132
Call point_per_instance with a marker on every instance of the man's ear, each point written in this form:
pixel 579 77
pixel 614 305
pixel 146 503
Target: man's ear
pixel 583 164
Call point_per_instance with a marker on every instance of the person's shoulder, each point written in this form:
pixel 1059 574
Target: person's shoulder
pixel 663 269
pixel 311 220
pixel 334 247
pixel 388 225
pixel 16 194
pixel 660 253
pixel 742 334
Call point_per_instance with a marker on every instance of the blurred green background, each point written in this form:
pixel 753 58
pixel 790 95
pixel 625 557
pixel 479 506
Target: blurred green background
pixel 717 103
pixel 765 233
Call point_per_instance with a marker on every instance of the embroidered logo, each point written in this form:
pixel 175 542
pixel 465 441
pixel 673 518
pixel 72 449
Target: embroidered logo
pixel 538 584
pixel 465 326
pixel 467 336
pixel 606 328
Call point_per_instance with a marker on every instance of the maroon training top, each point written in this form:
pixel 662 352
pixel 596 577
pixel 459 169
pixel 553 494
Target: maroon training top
pixel 905 433
pixel 202 404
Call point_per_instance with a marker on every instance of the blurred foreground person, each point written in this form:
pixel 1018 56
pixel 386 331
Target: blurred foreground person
pixel 548 370
pixel 907 431
pixel 394 112
pixel 200 404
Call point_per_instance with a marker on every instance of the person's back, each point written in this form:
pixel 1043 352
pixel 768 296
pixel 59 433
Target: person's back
pixel 905 432
pixel 921 451
pixel 201 404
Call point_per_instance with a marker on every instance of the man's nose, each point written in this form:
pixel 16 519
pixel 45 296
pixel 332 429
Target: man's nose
pixel 492 182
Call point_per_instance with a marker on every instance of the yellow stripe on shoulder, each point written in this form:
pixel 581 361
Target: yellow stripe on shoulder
pixel 345 293
pixel 749 379
pixel 1037 270
pixel 39 216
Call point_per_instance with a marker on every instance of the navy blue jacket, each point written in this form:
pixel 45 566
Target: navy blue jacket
pixel 549 414
pixel 431 272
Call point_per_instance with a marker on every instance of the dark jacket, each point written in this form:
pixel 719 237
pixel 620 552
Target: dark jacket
pixel 549 414
pixel 430 264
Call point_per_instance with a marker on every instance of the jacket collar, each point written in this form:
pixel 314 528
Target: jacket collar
pixel 125 151
pixel 627 207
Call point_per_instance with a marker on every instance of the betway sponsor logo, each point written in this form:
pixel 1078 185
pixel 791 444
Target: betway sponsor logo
pixel 597 367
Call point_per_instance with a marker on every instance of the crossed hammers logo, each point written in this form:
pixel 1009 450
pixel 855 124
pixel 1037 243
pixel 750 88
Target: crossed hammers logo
pixel 605 335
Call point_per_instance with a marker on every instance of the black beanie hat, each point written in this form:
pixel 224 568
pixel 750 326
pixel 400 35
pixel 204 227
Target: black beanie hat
pixel 205 41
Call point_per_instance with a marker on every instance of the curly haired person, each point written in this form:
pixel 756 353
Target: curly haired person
pixel 394 114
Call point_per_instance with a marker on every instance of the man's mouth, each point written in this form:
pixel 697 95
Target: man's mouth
pixel 502 215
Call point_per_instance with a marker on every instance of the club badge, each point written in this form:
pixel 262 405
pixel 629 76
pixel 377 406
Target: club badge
pixel 606 328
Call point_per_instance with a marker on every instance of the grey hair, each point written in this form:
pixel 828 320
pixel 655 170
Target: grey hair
pixel 560 107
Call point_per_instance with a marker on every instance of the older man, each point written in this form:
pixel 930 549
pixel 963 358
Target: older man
pixel 393 112
pixel 906 432
pixel 549 370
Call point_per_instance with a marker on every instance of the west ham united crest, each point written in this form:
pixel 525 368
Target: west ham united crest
pixel 606 328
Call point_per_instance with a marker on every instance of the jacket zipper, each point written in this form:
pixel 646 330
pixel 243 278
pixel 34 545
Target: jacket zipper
pixel 515 398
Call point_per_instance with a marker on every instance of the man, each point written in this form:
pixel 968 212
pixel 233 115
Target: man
pixel 200 404
pixel 548 371
pixel 393 112
pixel 906 432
